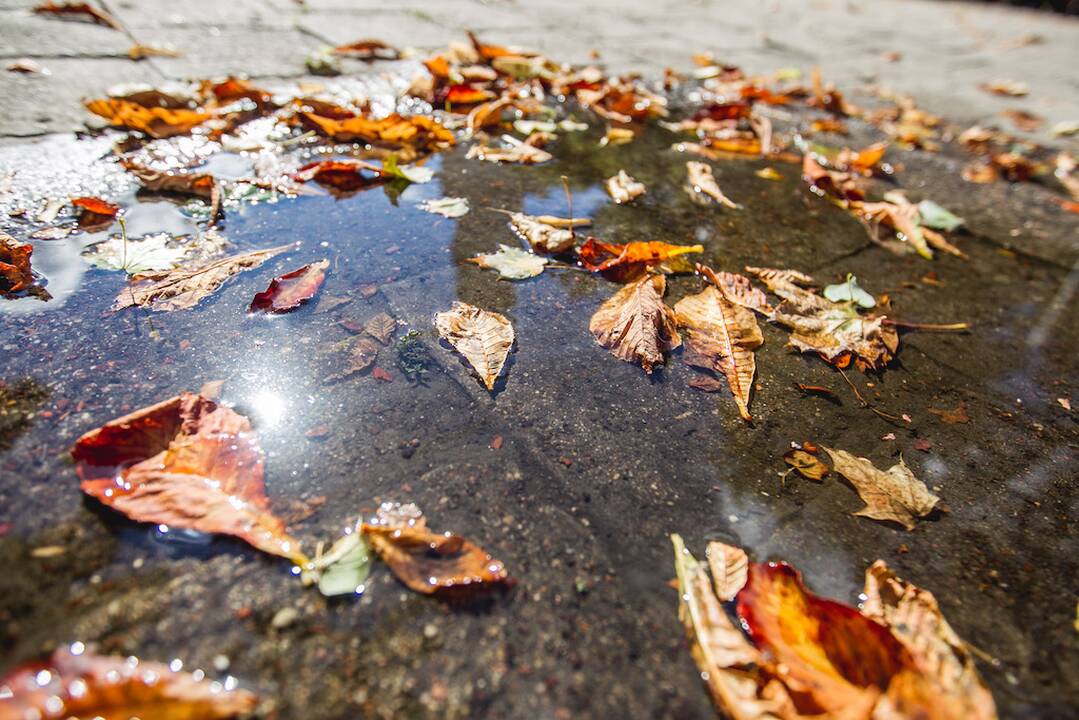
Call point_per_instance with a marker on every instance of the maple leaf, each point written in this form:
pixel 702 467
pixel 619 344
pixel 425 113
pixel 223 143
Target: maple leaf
pixel 599 256
pixel 418 131
pixel 186 462
pixel 894 494
pixel 183 288
pixel 635 324
pixel 287 292
pixel 88 685
pixel 511 263
pixel 721 336
pixel 623 188
pixel 157 122
pixel 484 338
pixel 701 181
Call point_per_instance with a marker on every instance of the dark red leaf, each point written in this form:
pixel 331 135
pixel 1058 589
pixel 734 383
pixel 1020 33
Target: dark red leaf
pixel 287 292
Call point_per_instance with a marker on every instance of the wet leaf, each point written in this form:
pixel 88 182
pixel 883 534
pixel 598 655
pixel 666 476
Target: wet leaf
pixel 450 207
pixel 914 617
pixel 95 212
pixel 381 327
pixel 830 657
pixel 183 288
pixel 768 173
pixel 289 291
pixel 729 566
pixel 511 263
pixel 157 122
pixel 808 466
pixel 345 175
pixel 849 292
pixel 363 354
pixel 200 185
pixel 417 131
pixel 368 50
pixel 135 257
pixel 701 180
pixel 484 338
pixel 188 463
pixel 956 416
pixel 79 9
pixel 15 272
pixel 115 688
pixel 512 151
pixel 542 235
pixel 721 336
pixel 623 188
pixel 636 325
pixel 894 494
pixel 345 568
pixel 737 289
pixel 435 563
pixel 934 216
pixel 598 256
pixel 411 173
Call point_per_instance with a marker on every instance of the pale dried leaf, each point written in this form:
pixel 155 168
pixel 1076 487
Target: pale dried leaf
pixel 511 263
pixel 894 494
pixel 701 180
pixel 450 207
pixel 623 188
pixel 635 324
pixel 484 338
pixel 542 236
pixel 729 566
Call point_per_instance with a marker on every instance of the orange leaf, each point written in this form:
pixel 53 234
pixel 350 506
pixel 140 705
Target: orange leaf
pixel 830 656
pixel 598 256
pixel 393 130
pixel 368 50
pixel 157 122
pixel 97 206
pixel 289 291
pixel 97 686
pixel 15 272
pixel 489 52
pixel 438 66
pixel 185 462
pixel 86 10
pixel 467 94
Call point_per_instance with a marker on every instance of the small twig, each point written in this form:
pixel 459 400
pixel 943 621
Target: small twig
pixel 867 404
pixel 818 389
pixel 929 327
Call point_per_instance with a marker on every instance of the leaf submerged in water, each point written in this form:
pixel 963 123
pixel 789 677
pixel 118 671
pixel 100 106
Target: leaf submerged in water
pixel 289 291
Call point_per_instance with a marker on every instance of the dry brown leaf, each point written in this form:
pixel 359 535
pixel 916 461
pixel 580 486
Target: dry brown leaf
pixel 140 52
pixel 623 188
pixel 381 327
pixel 636 325
pixel 914 617
pixel 157 122
pixel 894 494
pixel 200 185
pixel 721 337
pixel 516 151
pixel 729 566
pixel 115 688
pixel 701 180
pixel 542 236
pixel 737 289
pixel 188 463
pixel 183 288
pixel 484 338
pixel 808 465
pixel 956 416
pixel 362 356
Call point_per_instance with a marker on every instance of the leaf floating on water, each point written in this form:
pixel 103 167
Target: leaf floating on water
pixel 721 336
pixel 450 207
pixel 184 288
pixel 894 494
pixel 187 463
pixel 411 173
pixel 418 131
pixel 511 263
pixel 484 338
pixel 96 213
pixel 97 686
pixel 623 189
pixel 849 292
pixel 157 122
pixel 381 327
pixel 79 9
pixel 542 235
pixel 345 568
pixel 200 185
pixel 515 151
pixel 154 253
pixel 635 324
pixel 729 566
pixel 599 256
pixel 701 180
pixel 914 617
pixel 808 465
pixel 16 274
pixel 289 291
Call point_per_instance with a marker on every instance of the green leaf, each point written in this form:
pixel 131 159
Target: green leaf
pixel 511 263
pixel 450 207
pixel 849 292
pixel 934 216
pixel 346 566
pixel 414 174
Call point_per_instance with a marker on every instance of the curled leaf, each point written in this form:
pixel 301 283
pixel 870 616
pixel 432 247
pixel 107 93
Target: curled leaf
pixel 186 462
pixel 598 256
pixel 287 292
pixel 623 188
pixel 345 568
pixel 701 180
pixel 514 151
pixel 541 235
pixel 368 50
pixel 484 338
pixel 894 494
pixel 15 272
pixel 932 215
pixel 636 325
pixel 200 185
pixel 808 465
pixel 157 122
pixel 79 9
pixel 729 566
pixel 75 683
pixel 511 263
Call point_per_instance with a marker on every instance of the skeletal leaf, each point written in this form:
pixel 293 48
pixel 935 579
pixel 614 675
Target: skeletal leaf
pixel 542 236
pixel 623 188
pixel 450 207
pixel 183 288
pixel 894 494
pixel 721 337
pixel 85 685
pixel 729 566
pixel 381 327
pixel 289 291
pixel 157 122
pixel 701 180
pixel 808 465
pixel 635 324
pixel 511 263
pixel 484 338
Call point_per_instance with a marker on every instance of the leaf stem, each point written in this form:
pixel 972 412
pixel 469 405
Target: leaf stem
pixel 929 327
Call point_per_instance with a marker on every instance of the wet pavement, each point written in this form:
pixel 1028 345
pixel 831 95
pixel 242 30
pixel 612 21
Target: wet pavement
pixel 597 464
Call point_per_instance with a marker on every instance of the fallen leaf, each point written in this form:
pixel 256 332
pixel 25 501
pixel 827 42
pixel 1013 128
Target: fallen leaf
pixel 808 466
pixel 289 291
pixel 617 136
pixel 635 324
pixel 466 94
pixel 729 566
pixel 623 188
pixel 515 151
pixel 183 288
pixel 157 122
pixel 84 685
pixel 915 619
pixel 932 215
pixel 1007 88
pixel 511 263
pixel 542 236
pixel 1023 120
pixel 344 569
pixel 849 291
pixel 418 131
pixel 411 173
pixel 139 51
pixel 599 256
pixel 701 180
pixel 27 66
pixel 484 338
pixel 768 173
pixel 368 50
pixel 186 462
pixel 737 289
pixel 200 185
pixel 344 175
pixel 1065 403
pixel 434 563
pixel 894 494
pixel 96 213
pixel 958 415
pixel 77 9
pixel 15 272
pixel 135 257
pixel 922 444
pixel 721 336
pixel 381 327
pixel 450 207
pixel 380 374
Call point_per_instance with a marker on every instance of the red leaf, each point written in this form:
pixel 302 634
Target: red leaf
pixel 96 686
pixel 97 206
pixel 287 292
pixel 467 95
pixel 186 462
